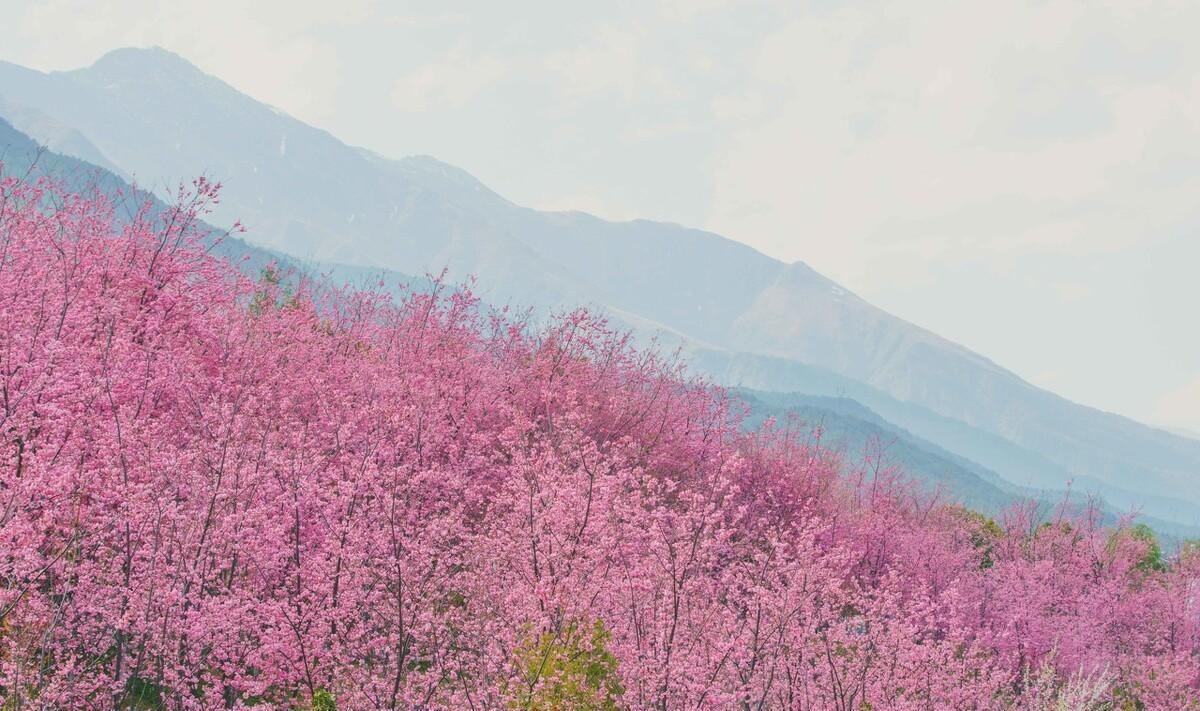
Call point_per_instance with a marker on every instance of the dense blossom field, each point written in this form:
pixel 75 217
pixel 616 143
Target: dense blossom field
pixel 218 493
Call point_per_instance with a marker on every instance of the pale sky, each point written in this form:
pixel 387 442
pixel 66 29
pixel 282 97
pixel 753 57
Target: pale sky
pixel 1023 178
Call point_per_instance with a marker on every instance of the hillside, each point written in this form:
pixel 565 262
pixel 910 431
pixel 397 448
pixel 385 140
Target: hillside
pixel 220 495
pixel 304 193
pixel 850 426
pixel 866 441
pixel 22 156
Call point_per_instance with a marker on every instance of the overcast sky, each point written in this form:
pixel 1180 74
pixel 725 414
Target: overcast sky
pixel 1023 178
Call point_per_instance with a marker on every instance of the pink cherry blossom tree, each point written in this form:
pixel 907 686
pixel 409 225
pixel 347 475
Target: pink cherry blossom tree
pixel 223 492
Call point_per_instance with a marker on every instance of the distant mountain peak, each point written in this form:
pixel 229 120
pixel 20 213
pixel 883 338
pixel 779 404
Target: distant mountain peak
pixel 433 166
pixel 146 64
pixel 433 172
pixel 801 267
pixel 143 57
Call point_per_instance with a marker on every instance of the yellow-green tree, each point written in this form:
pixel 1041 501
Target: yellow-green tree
pixel 571 668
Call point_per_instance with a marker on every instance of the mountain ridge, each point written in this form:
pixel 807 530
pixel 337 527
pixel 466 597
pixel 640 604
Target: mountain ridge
pixel 305 193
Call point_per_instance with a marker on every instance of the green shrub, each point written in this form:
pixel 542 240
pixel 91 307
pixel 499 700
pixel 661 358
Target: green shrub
pixel 568 669
pixel 323 701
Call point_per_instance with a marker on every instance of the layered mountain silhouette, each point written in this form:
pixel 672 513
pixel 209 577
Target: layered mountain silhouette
pixel 742 318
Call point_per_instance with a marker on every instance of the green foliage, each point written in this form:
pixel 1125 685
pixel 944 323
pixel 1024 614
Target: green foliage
pixel 568 669
pixel 141 694
pixel 270 295
pixel 1152 559
pixel 264 297
pixel 1052 526
pixel 983 531
pixel 323 701
pixel 1124 698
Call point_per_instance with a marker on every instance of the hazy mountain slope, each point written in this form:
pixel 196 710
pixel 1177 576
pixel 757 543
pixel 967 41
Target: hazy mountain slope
pixel 1015 464
pixel 849 427
pixel 1186 433
pixel 304 192
pixel 21 155
pixel 994 453
pixel 848 424
pixel 859 432
pixel 301 190
pixel 848 335
pixel 54 135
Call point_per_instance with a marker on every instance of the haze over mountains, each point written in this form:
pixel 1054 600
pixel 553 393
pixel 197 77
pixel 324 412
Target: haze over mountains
pixel 743 317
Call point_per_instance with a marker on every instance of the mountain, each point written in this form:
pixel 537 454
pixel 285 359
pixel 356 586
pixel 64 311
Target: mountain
pixel 1020 466
pixel 848 425
pixel 1183 432
pixel 50 133
pixel 859 434
pixel 759 321
pixel 21 155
